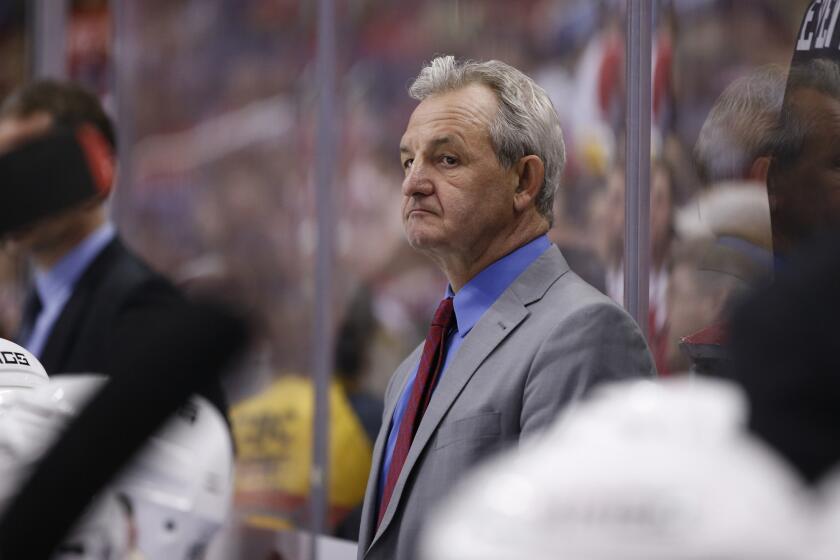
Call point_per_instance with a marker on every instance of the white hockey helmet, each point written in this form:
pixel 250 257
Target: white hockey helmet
pixel 19 369
pixel 826 523
pixel 30 424
pixel 642 471
pixel 181 484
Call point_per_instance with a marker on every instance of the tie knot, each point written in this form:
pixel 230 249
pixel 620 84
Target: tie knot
pixel 444 314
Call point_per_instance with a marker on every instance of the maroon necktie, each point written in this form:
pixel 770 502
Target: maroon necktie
pixel 421 393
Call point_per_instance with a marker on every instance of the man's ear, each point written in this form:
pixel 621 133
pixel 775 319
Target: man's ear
pixel 759 169
pixel 530 171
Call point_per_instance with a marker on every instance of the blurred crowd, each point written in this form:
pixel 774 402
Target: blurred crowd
pixel 219 137
pixel 217 105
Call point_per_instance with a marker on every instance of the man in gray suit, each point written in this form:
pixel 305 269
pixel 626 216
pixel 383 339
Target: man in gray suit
pixel 518 336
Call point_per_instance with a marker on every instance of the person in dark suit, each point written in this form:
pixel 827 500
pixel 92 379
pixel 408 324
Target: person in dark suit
pixel 92 299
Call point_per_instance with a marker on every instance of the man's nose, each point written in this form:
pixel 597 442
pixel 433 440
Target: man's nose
pixel 417 181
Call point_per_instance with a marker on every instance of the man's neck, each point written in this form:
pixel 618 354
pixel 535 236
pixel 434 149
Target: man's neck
pixel 46 257
pixel 459 271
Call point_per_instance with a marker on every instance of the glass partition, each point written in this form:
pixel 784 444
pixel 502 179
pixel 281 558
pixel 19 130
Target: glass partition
pixel 217 104
pixel 217 110
pixel 386 292
pixel 709 210
pixel 216 107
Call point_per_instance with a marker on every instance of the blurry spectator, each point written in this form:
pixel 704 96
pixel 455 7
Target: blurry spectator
pixel 354 343
pixel 352 360
pixel 89 44
pixel 734 214
pixel 705 278
pixel 199 67
pixel 92 297
pixel 576 243
pixel 720 40
pixel 661 236
pixel 663 69
pixel 734 143
pixel 732 222
pixel 274 435
pixel 733 155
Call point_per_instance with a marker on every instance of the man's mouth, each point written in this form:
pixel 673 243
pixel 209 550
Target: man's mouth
pixel 418 211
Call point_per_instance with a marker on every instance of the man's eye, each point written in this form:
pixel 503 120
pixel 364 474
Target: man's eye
pixel 449 160
pixel 407 163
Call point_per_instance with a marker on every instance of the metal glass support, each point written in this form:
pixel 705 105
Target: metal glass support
pixel 637 201
pixel 122 84
pixel 47 32
pixel 322 344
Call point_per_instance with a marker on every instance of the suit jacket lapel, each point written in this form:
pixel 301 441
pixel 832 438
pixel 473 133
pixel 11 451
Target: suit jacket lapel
pixel 487 334
pixel 401 376
pixel 532 285
pixel 493 328
pixel 64 332
pixel 66 328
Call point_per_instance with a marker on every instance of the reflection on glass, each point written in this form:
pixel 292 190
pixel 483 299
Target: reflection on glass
pixel 803 182
pixel 218 132
pixel 216 120
pixel 729 95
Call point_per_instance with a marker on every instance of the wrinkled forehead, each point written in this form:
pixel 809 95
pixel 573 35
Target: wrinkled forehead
pixel 467 110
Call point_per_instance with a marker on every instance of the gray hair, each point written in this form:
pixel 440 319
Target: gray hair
pixel 740 125
pixel 526 124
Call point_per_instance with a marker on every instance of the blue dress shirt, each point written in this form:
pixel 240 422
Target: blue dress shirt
pixel 470 303
pixel 55 285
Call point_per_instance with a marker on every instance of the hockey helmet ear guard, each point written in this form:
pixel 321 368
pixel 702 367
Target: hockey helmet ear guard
pixel 52 173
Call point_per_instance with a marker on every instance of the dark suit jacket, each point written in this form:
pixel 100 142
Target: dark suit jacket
pixel 114 304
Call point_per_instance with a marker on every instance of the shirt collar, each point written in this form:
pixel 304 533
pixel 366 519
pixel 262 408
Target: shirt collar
pixel 479 294
pixel 64 274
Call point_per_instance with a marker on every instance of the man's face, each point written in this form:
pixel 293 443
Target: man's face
pixel 457 197
pixel 50 232
pixel 805 196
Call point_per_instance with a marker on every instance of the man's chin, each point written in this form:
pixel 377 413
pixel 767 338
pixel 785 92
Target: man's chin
pixel 423 243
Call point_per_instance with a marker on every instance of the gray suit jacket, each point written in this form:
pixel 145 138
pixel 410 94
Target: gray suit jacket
pixel 547 339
